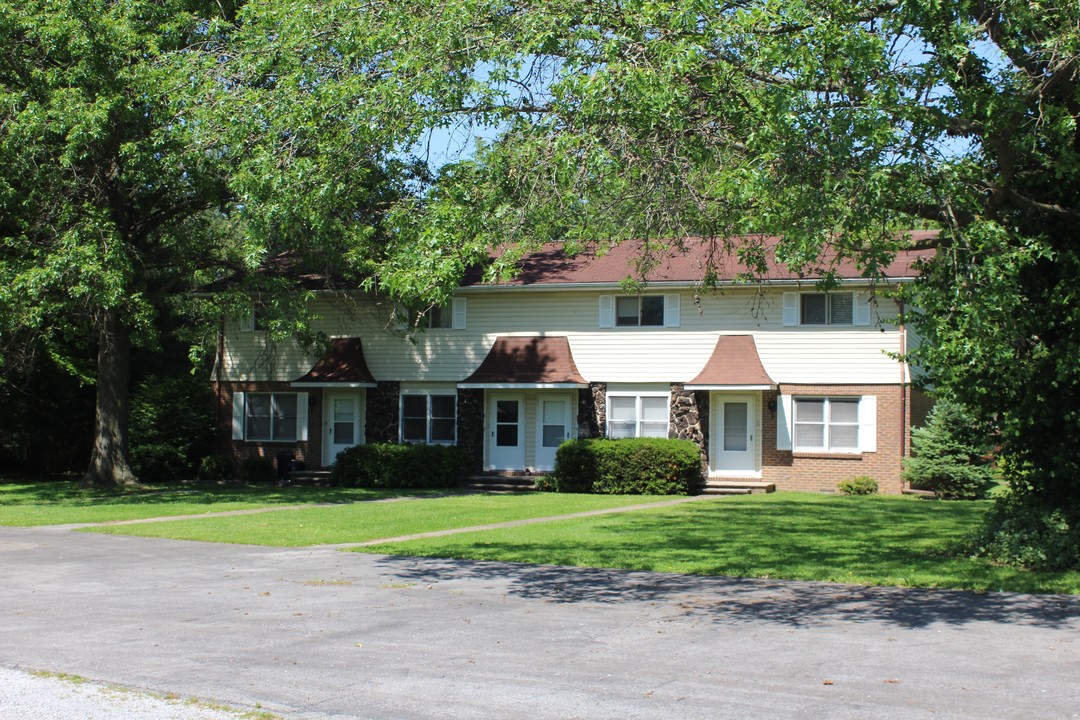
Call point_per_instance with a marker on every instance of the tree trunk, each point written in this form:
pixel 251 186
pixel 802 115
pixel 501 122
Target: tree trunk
pixel 109 460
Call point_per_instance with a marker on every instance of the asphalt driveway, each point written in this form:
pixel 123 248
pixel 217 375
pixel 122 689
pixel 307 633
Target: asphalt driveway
pixel 319 633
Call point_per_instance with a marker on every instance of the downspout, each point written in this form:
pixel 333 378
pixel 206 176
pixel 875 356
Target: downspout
pixel 903 394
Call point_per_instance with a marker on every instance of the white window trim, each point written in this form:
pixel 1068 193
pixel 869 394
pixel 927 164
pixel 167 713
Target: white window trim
pixel 637 410
pixel 866 419
pixel 427 395
pixel 239 424
pixel 860 309
pixel 672 312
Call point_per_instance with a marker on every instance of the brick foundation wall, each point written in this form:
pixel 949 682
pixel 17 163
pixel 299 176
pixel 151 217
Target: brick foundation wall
pixel 821 472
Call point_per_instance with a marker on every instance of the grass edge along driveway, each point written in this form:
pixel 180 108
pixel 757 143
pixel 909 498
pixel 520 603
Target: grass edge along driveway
pixel 869 540
pixel 878 540
pixel 365 521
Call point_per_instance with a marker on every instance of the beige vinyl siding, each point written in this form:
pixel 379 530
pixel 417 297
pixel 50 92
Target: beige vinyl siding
pixel 844 357
pixel 621 354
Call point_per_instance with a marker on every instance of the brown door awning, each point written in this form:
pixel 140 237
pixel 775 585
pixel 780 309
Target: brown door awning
pixel 734 365
pixel 344 366
pixel 527 362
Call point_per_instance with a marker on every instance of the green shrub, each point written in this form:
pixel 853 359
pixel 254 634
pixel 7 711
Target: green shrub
pixel 159 463
pixel 949 455
pixel 388 465
pixel 632 466
pixel 171 427
pixel 545 483
pixel 1024 531
pixel 258 469
pixel 215 468
pixel 861 485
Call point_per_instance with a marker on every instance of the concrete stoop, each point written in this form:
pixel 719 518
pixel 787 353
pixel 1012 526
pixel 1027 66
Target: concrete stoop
pixel 499 483
pixel 714 486
pixel 318 478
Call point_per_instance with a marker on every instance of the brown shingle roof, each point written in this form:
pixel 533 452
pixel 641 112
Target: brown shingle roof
pixel 527 361
pixel 344 364
pixel 734 363
pixel 552 266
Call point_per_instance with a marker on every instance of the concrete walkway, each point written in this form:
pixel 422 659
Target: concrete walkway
pixel 313 633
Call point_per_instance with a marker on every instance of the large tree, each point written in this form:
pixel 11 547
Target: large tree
pixel 836 124
pixel 101 203
pixel 136 159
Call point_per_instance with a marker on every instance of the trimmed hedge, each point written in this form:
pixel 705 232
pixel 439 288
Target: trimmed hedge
pixel 859 485
pixel 388 465
pixel 631 466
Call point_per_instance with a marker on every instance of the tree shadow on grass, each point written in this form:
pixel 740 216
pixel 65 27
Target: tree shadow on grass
pixel 717 542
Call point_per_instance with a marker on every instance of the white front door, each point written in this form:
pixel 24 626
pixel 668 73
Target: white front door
pixel 506 432
pixel 342 426
pixel 553 426
pixel 734 435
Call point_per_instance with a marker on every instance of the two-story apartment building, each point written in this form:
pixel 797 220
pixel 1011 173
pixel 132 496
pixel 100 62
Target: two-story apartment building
pixel 775 380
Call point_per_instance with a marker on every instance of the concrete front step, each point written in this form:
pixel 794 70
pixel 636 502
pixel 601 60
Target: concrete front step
pixel 714 486
pixel 500 483
pixel 309 477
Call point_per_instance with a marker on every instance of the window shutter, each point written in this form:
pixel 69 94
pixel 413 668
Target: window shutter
pixel 868 423
pixel 672 317
pixel 783 422
pixel 458 305
pixel 862 308
pixel 247 321
pixel 238 416
pixel 791 309
pixel 301 416
pixel 607 311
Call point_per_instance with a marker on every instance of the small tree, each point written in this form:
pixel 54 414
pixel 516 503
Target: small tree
pixel 950 454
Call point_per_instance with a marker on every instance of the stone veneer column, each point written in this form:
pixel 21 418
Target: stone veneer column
pixel 592 410
pixel 470 425
pixel 383 413
pixel 689 419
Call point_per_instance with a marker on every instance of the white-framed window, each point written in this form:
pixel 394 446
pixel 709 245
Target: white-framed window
pixel 639 311
pixel 826 309
pixel 251 320
pixel 429 418
pixel 826 424
pixel 438 317
pixel 270 416
pixel 637 415
pixel 452 316
pixel 649 311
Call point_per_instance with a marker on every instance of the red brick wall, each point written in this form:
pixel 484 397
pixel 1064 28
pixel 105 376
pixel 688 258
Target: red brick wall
pixel 308 450
pixel 821 472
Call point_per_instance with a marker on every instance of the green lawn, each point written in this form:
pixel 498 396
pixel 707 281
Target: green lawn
pixel 874 540
pixel 359 522
pixel 55 502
